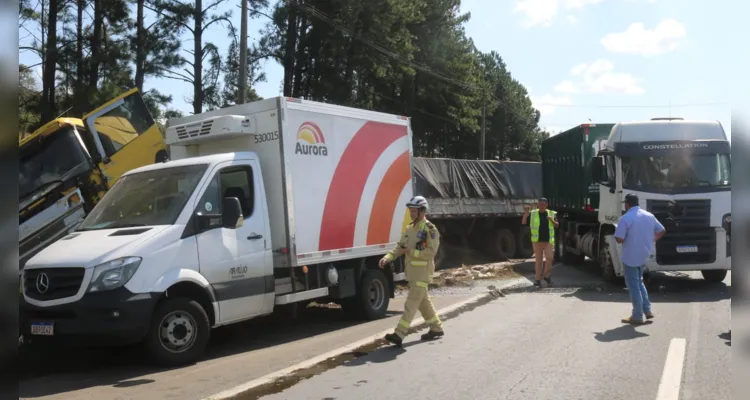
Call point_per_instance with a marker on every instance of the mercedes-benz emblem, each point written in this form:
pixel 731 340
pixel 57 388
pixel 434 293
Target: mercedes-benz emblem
pixel 42 283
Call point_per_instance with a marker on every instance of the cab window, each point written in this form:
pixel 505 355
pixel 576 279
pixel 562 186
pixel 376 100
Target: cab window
pixel 121 125
pixel 229 182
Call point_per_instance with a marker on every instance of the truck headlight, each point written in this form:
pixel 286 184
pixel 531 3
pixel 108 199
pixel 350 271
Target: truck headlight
pixel 113 274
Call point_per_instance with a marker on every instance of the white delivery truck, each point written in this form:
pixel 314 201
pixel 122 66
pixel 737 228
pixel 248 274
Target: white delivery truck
pixel 270 203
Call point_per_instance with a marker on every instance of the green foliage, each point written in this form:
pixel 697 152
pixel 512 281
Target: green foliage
pixel 406 57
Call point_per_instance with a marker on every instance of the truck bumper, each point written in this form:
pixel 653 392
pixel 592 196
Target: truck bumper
pixel 37 241
pixel 117 317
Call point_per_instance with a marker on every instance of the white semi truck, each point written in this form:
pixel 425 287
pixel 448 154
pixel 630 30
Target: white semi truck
pixel 271 203
pixel 681 172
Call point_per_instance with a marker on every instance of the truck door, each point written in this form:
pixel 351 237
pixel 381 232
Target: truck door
pixel 125 135
pixel 237 261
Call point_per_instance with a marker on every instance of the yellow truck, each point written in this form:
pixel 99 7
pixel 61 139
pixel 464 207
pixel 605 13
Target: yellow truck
pixel 68 164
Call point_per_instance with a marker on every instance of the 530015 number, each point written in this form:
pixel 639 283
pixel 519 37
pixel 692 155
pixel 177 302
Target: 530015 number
pixel 267 137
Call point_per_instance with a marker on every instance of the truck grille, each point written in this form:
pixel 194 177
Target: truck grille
pixel 704 239
pixel 61 283
pixel 693 213
pixel 689 225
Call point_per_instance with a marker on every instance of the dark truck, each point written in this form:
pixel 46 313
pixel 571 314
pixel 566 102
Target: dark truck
pixel 479 203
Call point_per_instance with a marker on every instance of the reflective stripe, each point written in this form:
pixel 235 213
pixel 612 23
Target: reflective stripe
pixel 434 320
pixel 419 263
pixel 403 324
pixel 534 226
pixel 416 253
pixel 422 284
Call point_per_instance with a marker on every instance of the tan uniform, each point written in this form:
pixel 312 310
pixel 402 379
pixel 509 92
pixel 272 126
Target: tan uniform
pixel 418 244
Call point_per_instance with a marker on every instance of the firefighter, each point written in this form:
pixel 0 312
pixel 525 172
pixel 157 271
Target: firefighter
pixel 418 244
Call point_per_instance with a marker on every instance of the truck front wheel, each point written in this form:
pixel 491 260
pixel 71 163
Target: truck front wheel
pixel 714 275
pixel 607 265
pixel 179 332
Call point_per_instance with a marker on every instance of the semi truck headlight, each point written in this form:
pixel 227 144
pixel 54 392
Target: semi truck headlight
pixel 113 274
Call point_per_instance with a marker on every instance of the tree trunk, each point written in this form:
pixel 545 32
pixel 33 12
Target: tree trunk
pixel 242 84
pixel 290 45
pixel 140 52
pixel 96 50
pixel 198 59
pixel 79 102
pixel 300 57
pixel 48 83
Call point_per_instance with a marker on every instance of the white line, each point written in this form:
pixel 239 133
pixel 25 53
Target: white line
pixel 229 393
pixel 671 377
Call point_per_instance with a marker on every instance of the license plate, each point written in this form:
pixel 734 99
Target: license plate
pixel 687 249
pixel 43 328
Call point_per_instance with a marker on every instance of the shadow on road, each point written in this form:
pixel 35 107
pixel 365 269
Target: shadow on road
pixel 625 332
pixel 124 366
pixel 726 336
pixel 584 283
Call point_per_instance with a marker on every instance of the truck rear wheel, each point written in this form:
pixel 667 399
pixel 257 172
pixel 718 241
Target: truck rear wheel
pixel 523 244
pixel 503 244
pixel 714 275
pixel 372 298
pixel 179 332
pixel 563 254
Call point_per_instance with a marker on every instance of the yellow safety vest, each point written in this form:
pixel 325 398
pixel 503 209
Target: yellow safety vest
pixel 534 225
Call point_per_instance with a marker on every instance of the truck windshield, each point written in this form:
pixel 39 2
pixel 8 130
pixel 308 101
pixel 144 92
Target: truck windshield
pixel 146 198
pixel 679 171
pixel 48 160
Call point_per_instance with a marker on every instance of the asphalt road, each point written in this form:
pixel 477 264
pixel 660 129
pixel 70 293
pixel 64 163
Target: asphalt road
pixel 562 342
pixel 236 354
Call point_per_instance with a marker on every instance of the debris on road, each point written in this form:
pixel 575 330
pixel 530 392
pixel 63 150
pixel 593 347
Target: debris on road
pixel 464 275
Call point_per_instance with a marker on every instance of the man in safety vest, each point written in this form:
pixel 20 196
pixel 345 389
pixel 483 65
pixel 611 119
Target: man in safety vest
pixel 418 244
pixel 542 224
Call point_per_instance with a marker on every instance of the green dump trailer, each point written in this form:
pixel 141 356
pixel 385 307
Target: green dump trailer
pixel 568 185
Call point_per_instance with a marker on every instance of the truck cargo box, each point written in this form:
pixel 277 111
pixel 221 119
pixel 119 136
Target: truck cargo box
pixel 566 174
pixel 476 188
pixel 336 178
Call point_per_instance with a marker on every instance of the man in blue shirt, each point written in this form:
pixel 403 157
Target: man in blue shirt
pixel 637 232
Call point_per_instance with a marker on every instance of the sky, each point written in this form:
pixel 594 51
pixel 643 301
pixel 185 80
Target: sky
pixel 600 61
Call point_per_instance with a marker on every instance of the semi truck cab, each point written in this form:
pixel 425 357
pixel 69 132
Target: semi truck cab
pixel 681 172
pixel 68 164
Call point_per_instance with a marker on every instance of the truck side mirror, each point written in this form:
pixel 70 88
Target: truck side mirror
pixel 596 169
pixel 231 213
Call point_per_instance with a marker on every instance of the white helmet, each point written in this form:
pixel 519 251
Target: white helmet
pixel 418 202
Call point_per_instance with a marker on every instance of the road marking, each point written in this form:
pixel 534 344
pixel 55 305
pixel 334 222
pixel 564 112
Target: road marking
pixel 671 377
pixel 237 390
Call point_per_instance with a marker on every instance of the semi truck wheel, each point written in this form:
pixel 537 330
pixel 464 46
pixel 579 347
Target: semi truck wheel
pixel 714 275
pixel 178 333
pixel 523 244
pixel 372 298
pixel 566 256
pixel 503 244
pixel 606 265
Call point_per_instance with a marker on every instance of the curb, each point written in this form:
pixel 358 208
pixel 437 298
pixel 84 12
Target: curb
pixel 242 390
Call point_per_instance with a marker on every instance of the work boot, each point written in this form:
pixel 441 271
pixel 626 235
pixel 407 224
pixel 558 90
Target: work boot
pixel 548 280
pixel 432 335
pixel 394 338
pixel 538 283
pixel 633 321
pixel 649 315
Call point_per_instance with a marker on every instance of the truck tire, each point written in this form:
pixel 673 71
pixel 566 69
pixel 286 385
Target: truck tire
pixel 372 298
pixel 606 265
pixel 503 244
pixel 566 256
pixel 178 333
pixel 714 275
pixel 523 244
